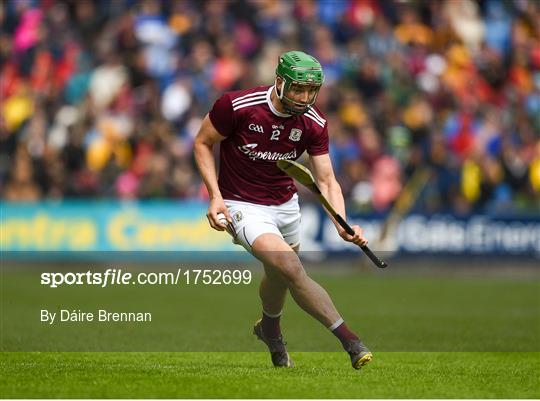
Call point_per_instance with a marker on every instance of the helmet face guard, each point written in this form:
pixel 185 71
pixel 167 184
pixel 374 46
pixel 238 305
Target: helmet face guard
pixel 292 106
pixel 298 69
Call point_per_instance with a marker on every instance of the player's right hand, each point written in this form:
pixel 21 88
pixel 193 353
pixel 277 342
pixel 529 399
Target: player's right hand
pixel 217 206
pixel 358 237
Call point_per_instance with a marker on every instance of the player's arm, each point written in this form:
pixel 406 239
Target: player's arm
pixel 203 146
pixel 330 188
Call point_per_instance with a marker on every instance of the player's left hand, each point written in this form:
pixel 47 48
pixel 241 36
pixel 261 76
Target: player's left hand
pixel 358 237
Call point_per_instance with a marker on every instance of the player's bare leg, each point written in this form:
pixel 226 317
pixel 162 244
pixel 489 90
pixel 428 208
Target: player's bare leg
pixel 272 292
pixel 277 255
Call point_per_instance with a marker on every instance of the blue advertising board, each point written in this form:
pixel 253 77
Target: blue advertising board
pixel 95 226
pixel 109 226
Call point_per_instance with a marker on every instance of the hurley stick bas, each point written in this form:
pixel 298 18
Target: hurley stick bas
pixel 304 177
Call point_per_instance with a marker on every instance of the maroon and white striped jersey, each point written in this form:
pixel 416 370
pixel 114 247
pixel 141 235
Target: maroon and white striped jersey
pixel 257 135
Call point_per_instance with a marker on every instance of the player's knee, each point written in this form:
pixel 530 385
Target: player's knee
pixel 294 274
pixel 279 257
pixel 272 275
pixel 287 266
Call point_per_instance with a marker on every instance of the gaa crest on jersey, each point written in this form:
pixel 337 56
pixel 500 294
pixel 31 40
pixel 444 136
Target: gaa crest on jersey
pixel 238 217
pixel 295 134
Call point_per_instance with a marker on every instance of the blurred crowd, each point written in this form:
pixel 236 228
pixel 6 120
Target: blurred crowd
pixel 102 99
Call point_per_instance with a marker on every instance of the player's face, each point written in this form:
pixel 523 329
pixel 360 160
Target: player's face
pixel 299 97
pixel 302 94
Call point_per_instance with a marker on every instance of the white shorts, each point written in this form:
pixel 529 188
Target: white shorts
pixel 251 220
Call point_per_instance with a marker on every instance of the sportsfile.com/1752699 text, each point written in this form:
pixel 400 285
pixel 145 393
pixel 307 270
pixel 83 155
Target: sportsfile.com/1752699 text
pixel 119 277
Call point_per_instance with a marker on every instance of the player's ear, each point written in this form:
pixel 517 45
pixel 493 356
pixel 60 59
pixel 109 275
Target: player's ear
pixel 279 86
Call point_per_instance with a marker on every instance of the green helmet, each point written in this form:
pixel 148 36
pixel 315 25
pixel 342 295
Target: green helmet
pixel 298 68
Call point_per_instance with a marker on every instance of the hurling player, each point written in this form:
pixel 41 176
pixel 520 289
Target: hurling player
pixel 255 128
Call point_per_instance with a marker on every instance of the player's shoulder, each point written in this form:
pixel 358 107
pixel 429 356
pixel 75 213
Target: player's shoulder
pixel 315 117
pixel 248 97
pixel 235 95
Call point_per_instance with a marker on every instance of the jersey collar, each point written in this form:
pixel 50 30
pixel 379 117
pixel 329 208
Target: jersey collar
pixel 271 105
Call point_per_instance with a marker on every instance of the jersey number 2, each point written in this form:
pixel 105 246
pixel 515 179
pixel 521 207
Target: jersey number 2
pixel 275 135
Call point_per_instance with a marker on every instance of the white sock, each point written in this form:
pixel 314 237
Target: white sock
pixel 271 315
pixel 338 323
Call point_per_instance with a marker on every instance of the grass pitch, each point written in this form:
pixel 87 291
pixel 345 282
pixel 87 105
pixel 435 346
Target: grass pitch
pixel 432 337
pixel 249 375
